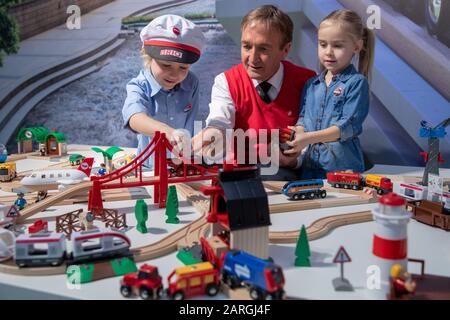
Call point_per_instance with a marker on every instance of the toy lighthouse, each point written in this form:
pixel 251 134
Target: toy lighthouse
pixel 390 238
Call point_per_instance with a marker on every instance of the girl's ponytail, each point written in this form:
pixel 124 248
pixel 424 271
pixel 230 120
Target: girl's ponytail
pixel 366 55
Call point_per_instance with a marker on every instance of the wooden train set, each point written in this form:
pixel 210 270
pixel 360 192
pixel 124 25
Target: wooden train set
pixel 192 233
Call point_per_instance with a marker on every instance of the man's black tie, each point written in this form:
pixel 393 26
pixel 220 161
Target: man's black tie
pixel 263 91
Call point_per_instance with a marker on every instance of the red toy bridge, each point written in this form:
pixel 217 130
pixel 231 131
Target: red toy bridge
pixel 123 177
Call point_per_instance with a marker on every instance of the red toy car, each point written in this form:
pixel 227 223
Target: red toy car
pixel 147 283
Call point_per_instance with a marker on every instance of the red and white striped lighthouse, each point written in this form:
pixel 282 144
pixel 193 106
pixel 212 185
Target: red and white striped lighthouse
pixel 390 238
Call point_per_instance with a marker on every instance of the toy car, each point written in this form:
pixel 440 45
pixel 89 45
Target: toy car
pixel 146 283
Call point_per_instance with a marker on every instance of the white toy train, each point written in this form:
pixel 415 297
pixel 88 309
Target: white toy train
pixel 417 192
pixel 49 248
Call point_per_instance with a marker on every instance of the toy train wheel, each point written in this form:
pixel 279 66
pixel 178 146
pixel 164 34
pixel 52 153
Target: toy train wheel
pixel 312 195
pixel 256 294
pixel 145 293
pixel 323 194
pixel 296 197
pixel 125 291
pixel 270 296
pixel 191 171
pixel 160 292
pixel 179 295
pixel 172 172
pixel 303 196
pixel 337 185
pixel 380 192
pixel 230 281
pixel 180 172
pixel 55 263
pixel 212 289
pixel 346 186
pixel 355 187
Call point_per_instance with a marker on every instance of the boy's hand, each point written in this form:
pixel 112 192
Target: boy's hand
pixel 299 143
pixel 179 139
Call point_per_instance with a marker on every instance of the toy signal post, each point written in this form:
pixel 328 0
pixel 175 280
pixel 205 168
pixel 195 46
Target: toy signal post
pixel 342 284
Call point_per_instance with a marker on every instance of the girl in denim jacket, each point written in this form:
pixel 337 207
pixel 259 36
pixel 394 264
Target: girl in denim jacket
pixel 336 102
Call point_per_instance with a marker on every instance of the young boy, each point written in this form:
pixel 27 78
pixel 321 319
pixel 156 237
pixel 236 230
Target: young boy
pixel 164 96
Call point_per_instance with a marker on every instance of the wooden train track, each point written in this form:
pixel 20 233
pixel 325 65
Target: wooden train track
pixel 358 197
pixel 192 233
pixel 160 248
pixel 48 202
pixel 321 227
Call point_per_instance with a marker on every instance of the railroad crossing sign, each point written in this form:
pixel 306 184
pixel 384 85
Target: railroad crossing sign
pixel 342 284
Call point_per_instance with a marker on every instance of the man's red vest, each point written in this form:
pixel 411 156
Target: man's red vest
pixel 253 112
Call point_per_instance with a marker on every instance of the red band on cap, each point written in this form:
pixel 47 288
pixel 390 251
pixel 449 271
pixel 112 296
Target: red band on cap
pixel 389 249
pixel 171 44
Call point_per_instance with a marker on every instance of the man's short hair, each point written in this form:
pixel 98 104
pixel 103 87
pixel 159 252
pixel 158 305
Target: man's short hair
pixel 272 17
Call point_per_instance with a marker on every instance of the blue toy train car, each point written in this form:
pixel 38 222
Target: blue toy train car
pixel 304 189
pixel 264 279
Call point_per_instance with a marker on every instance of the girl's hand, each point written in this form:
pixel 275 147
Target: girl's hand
pixel 299 143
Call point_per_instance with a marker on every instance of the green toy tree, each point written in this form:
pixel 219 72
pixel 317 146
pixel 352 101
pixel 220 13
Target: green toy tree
pixel 172 205
pixel 302 252
pixel 9 31
pixel 141 213
pixel 108 154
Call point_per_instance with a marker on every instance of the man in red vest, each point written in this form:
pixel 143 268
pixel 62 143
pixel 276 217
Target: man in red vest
pixel 263 92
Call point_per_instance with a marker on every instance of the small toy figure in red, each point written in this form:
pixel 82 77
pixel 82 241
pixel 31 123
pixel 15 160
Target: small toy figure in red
pixel 401 282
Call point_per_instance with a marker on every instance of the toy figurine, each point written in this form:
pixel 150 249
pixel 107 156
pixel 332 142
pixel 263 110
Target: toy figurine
pixel 42 151
pixel 41 195
pixel 20 202
pixel 102 170
pixel 401 282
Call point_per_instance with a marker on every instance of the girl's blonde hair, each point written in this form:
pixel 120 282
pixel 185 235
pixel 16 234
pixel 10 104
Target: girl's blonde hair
pixel 351 22
pixel 146 59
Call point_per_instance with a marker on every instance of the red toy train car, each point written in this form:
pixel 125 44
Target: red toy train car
pixel 356 181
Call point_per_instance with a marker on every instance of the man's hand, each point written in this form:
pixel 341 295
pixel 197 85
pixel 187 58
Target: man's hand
pixel 281 160
pixel 209 143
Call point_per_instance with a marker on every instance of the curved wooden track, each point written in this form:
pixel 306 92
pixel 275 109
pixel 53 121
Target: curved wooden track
pixel 160 248
pixel 48 202
pixel 321 227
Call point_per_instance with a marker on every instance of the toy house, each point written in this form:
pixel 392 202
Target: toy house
pixel 239 212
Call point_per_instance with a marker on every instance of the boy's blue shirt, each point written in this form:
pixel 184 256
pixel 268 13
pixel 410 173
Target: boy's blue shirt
pixel 177 107
pixel 345 104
